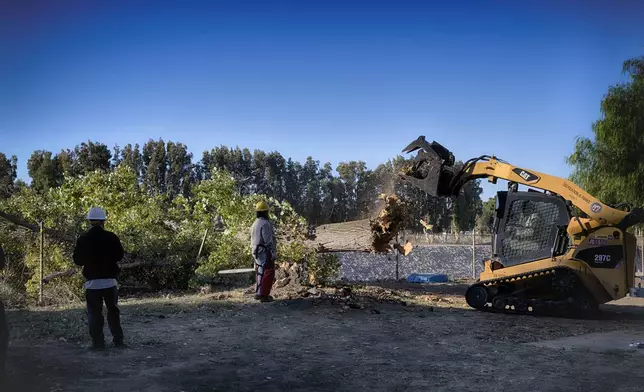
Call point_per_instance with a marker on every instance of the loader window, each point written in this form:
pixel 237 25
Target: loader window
pixel 529 228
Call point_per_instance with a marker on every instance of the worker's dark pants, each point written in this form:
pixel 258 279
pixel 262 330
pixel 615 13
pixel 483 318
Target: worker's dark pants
pixel 95 299
pixel 4 342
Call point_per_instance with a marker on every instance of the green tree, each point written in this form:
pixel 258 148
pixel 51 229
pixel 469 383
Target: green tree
pixel 132 158
pixel 43 170
pixel 8 173
pixel 180 175
pixel 92 156
pixel 332 192
pixel 117 157
pixel 135 216
pixel 155 166
pixel 219 196
pixel 275 172
pixel 467 206
pixel 66 165
pixel 359 187
pixel 237 162
pixel 610 166
pixel 484 220
pixel 293 187
pixel 312 190
pixel 366 190
pixel 259 167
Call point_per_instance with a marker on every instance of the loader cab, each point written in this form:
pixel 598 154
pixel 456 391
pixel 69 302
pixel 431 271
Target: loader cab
pixel 529 226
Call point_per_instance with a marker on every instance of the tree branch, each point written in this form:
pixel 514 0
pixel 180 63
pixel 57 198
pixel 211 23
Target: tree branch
pixel 34 227
pixel 73 271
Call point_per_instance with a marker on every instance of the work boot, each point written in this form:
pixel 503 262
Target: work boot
pixel 119 344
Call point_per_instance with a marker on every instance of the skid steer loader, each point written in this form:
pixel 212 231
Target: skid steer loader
pixel 546 259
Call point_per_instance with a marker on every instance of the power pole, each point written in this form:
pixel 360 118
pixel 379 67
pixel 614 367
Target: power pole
pixel 473 254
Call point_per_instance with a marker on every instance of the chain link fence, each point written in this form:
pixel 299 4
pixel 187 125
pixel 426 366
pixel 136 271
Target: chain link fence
pixel 463 238
pixel 459 256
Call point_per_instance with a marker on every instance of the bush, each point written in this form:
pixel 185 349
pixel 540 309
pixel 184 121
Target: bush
pixel 15 274
pixel 152 229
pixel 229 253
pixel 57 258
pixel 323 268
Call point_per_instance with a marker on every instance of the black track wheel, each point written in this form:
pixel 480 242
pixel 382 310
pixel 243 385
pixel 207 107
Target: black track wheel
pixel 476 296
pixel 499 303
pixel 586 307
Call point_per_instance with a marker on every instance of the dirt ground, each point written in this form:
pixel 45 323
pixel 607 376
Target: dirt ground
pixel 396 338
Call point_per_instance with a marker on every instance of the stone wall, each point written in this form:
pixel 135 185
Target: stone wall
pixel 453 260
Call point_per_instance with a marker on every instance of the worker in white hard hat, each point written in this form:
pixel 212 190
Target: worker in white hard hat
pixel 264 249
pixel 98 251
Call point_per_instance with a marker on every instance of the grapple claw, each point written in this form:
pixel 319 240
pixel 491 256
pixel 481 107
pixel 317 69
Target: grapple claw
pixel 425 170
pixel 432 149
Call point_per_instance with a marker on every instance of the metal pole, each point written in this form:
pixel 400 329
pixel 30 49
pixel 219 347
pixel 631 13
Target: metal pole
pixel 203 241
pixel 42 261
pixel 397 258
pixel 642 252
pixel 473 254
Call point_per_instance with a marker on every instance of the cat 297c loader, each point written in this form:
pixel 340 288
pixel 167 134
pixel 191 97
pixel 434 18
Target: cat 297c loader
pixel 546 258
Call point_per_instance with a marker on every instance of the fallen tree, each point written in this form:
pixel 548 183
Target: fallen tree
pixel 68 239
pixel 378 234
pixel 35 228
pixel 123 266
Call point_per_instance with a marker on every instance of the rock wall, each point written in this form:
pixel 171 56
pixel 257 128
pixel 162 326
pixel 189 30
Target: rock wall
pixel 453 260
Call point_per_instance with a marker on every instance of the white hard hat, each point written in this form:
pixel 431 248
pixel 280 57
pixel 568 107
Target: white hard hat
pixel 96 214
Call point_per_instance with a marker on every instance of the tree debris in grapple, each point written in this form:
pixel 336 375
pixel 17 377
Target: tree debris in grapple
pixel 391 219
pixel 367 235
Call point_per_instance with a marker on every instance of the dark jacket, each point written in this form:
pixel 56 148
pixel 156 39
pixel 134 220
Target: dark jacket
pixel 97 251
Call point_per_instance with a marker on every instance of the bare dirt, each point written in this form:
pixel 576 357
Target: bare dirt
pixel 395 338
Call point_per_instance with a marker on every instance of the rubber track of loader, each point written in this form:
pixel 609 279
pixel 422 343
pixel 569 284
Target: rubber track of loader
pixel 541 307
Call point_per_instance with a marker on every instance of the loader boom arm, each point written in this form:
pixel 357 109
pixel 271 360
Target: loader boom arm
pixel 434 171
pixel 494 169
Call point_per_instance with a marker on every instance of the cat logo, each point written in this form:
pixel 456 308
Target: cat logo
pixel 526 175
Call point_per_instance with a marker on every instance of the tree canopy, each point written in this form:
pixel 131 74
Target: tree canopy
pixel 319 192
pixel 160 202
pixel 610 165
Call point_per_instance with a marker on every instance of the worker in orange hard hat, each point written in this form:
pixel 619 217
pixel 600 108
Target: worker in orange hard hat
pixel 264 249
pixel 98 251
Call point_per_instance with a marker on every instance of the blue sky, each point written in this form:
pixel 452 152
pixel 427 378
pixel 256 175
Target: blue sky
pixel 334 80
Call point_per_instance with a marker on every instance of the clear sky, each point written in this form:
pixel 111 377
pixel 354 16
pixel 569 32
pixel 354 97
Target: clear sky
pixel 337 80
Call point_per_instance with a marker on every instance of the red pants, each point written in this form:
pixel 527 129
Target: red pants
pixel 265 278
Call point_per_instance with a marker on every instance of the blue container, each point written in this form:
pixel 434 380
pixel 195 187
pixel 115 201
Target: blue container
pixel 427 278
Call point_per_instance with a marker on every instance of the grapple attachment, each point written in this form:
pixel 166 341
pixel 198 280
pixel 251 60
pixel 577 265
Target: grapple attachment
pixel 432 170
